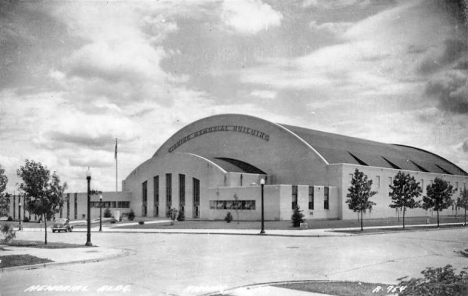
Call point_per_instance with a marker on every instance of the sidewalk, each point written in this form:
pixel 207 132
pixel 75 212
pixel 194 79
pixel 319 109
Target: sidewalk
pixel 85 255
pixel 330 232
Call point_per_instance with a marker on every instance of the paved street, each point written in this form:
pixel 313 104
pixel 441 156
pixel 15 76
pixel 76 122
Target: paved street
pixel 190 264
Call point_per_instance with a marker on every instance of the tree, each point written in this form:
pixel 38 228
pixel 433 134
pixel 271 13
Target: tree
pixel 440 281
pixel 43 193
pixel 462 201
pixel 297 217
pixel 439 196
pixel 359 193
pixel 107 213
pixel 4 197
pixel 404 192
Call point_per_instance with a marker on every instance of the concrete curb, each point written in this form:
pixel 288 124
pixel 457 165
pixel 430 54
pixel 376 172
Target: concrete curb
pixel 231 233
pixel 268 284
pixel 123 253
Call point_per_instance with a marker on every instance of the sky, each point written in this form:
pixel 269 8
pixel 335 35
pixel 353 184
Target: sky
pixel 75 75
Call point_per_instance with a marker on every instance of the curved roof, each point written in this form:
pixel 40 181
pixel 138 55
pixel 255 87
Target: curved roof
pixel 342 149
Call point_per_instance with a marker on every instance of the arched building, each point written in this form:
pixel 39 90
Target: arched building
pixel 206 165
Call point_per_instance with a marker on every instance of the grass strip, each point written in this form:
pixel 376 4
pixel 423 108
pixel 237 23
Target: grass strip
pixel 20 260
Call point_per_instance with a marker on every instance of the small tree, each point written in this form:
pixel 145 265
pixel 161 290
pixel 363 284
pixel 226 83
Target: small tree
pixel 107 213
pixel 297 217
pixel 173 215
pixel 462 202
pixel 131 215
pixel 359 193
pixel 43 195
pixel 8 232
pixel 439 196
pixel 228 217
pixel 441 281
pixel 4 197
pixel 181 216
pixel 404 192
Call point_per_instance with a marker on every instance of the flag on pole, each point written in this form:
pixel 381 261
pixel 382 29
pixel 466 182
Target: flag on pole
pixel 115 156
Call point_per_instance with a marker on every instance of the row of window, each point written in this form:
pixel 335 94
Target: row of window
pixel 196 195
pixel 111 204
pixel 232 205
pixel 326 198
pixel 421 183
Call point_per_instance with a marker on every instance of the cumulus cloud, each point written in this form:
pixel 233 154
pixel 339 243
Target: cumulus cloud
pixel 264 94
pixel 337 28
pixel 450 91
pixel 465 146
pixel 327 4
pixel 452 51
pixel 249 16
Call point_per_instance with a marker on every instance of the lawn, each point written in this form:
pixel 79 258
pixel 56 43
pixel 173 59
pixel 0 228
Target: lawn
pixel 286 225
pixel 41 245
pixel 341 288
pixel 19 260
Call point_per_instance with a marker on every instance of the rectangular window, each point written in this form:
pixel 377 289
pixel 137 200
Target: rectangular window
pixel 68 205
pixel 196 198
pixel 182 190
pixel 294 197
pixel 326 195
pixel 144 198
pixel 76 205
pixel 14 206
pixel 311 197
pixel 248 205
pixel 168 193
pixel 156 196
pixel 377 182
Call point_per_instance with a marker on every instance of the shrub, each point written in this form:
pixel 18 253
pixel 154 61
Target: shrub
pixel 297 217
pixel 107 213
pixel 441 281
pixel 173 215
pixel 8 232
pixel 228 217
pixel 26 219
pixel 181 216
pixel 141 222
pixel 10 218
pixel 131 215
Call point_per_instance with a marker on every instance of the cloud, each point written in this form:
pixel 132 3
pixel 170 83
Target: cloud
pixel 337 29
pixel 465 146
pixel 327 4
pixel 452 51
pixel 249 16
pixel 263 94
pixel 449 90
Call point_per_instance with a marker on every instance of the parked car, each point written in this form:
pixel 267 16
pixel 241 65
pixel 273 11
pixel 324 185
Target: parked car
pixel 62 224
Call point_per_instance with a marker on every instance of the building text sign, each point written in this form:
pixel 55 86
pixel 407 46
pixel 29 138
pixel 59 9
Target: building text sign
pixel 221 128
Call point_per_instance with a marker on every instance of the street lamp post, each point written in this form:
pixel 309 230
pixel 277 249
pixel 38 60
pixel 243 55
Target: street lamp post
pixel 88 237
pixel 20 227
pixel 262 184
pixel 100 212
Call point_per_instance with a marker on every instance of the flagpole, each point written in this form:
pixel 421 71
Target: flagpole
pixel 116 168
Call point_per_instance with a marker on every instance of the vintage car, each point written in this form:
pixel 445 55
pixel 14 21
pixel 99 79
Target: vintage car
pixel 61 224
